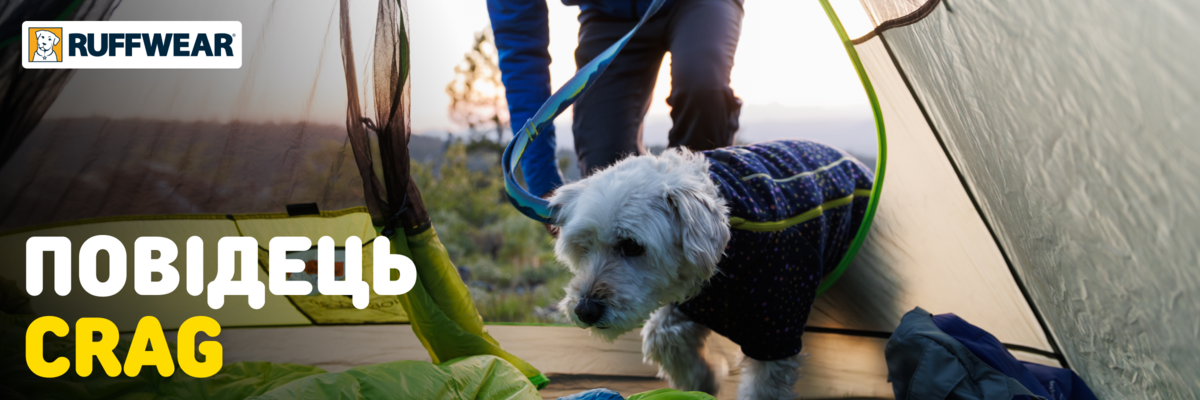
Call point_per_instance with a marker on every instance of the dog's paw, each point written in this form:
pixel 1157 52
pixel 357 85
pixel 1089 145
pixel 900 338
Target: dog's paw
pixel 770 380
pixel 676 345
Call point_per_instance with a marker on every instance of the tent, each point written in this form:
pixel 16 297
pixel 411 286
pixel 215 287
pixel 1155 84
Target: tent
pixel 1033 138
pixel 206 154
pixel 1038 184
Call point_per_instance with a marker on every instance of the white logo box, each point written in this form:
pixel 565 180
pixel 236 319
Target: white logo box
pixel 132 53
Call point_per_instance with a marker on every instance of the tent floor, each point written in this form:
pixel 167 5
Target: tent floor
pixel 567 384
pixel 838 365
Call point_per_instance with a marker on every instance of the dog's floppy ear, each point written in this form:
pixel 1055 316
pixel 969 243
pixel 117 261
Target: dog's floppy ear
pixel 563 200
pixel 704 222
pixel 53 40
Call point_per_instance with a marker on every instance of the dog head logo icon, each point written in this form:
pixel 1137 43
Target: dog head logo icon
pixel 45 44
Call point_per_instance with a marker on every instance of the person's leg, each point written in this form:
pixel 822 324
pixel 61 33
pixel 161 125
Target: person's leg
pixel 703 37
pixel 608 116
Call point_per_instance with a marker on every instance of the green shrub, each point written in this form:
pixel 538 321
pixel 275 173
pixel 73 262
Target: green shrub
pixel 509 259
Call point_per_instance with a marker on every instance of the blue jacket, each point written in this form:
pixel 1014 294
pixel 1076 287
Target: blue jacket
pixel 943 356
pixel 522 33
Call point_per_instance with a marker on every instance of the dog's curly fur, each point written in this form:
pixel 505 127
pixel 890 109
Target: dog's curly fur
pixel 666 204
pixel 669 207
pixel 676 344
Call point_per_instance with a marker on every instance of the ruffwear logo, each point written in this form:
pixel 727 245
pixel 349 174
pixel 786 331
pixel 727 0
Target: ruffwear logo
pixel 132 44
pixel 45 44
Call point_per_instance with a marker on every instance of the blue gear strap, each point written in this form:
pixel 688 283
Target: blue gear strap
pixel 525 202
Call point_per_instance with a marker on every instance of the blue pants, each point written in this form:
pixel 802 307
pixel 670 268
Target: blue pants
pixel 702 36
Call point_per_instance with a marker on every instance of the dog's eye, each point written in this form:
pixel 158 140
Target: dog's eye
pixel 629 248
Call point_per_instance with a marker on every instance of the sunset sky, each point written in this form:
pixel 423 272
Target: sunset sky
pixel 790 68
pixel 789 55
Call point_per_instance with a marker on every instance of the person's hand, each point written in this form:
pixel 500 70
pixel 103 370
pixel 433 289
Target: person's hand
pixel 551 229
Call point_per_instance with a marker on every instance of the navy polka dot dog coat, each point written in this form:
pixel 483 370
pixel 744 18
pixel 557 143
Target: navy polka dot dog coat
pixel 795 206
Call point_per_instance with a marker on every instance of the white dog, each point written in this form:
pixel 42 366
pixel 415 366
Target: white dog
pixel 46 41
pixel 677 238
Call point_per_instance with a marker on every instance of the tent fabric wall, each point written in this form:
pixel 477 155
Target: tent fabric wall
pixel 251 140
pixel 888 14
pixel 27 94
pixel 152 142
pixel 1075 127
pixel 326 309
pixel 75 168
pixel 929 247
pixel 882 11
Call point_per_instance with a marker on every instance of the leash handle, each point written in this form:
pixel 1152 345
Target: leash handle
pixel 527 203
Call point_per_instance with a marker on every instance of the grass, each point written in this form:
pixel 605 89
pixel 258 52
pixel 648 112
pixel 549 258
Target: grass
pixel 506 259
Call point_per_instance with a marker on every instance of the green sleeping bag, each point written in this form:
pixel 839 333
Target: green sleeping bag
pixel 474 377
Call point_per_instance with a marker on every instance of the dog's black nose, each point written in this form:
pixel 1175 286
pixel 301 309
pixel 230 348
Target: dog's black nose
pixel 589 311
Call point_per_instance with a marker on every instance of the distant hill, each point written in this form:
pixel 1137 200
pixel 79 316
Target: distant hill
pixel 851 128
pixel 427 148
pixel 848 128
